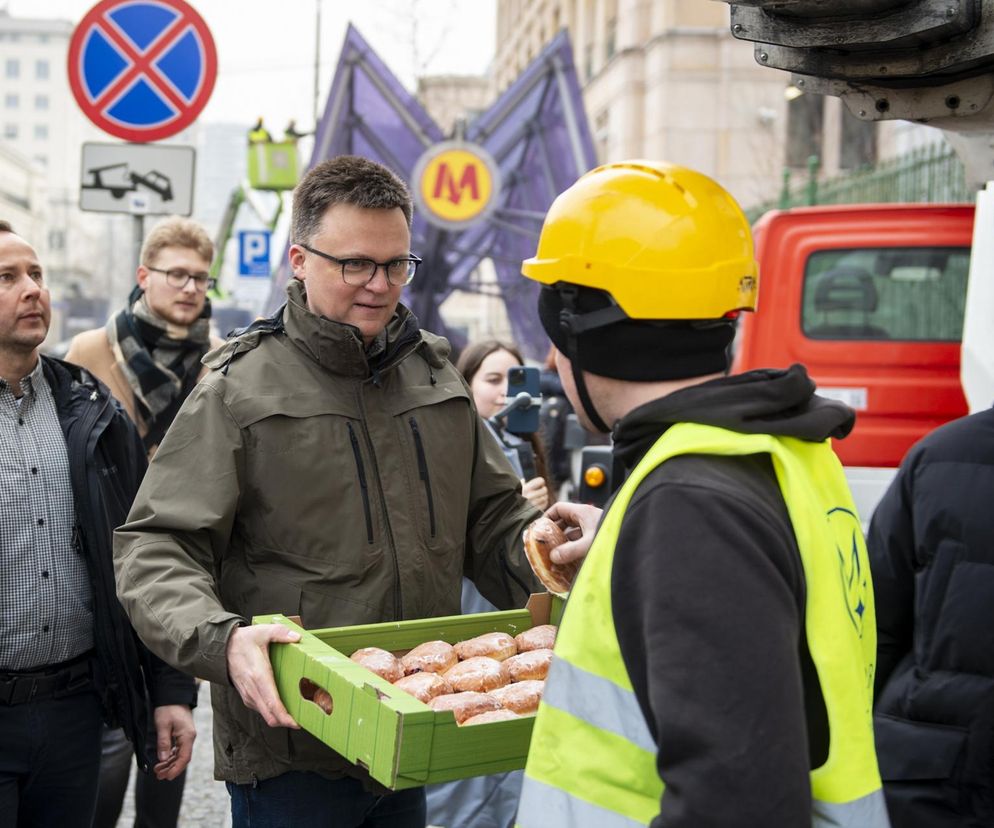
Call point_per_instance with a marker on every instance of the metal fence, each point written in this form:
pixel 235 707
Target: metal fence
pixel 926 175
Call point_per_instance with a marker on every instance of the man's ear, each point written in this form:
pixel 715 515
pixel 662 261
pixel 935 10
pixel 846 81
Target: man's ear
pixel 295 255
pixel 141 277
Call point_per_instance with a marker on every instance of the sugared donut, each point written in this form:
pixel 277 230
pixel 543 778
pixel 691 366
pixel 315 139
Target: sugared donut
pixel 498 645
pixel 383 663
pixel 424 686
pixel 464 705
pixel 521 697
pixel 533 665
pixel 430 657
pixel 541 538
pixel 542 637
pixel 479 674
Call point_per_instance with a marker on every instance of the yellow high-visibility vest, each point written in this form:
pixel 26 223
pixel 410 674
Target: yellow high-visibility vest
pixel 592 760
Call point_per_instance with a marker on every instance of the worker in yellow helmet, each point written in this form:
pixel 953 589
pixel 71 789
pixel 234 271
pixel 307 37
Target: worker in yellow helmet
pixel 715 662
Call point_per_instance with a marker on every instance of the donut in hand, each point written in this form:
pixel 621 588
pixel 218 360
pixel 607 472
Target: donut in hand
pixel 541 538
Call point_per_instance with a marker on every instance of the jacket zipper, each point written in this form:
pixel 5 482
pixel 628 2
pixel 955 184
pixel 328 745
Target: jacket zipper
pixel 398 595
pixel 363 485
pixel 81 443
pixel 423 472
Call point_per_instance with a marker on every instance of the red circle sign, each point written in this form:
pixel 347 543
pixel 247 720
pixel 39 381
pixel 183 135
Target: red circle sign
pixel 142 69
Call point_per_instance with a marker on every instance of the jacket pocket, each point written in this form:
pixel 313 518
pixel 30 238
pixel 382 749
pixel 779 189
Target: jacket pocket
pixel 921 765
pixel 363 482
pixel 423 473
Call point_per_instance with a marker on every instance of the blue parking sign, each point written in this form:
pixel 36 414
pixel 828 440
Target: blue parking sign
pixel 253 253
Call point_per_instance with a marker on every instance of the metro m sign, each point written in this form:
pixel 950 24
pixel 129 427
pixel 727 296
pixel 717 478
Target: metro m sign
pixel 456 184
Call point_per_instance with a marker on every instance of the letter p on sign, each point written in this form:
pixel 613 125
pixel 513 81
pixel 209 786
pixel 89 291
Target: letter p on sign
pixel 253 253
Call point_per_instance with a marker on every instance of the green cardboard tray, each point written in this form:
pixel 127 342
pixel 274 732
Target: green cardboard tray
pixel 401 742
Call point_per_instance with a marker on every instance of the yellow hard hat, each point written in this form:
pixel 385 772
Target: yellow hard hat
pixel 664 241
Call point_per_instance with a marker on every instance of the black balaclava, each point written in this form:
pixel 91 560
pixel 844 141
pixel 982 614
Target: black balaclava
pixel 597 336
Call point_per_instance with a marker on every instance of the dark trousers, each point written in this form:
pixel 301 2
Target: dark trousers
pixel 300 799
pixel 50 761
pixel 157 802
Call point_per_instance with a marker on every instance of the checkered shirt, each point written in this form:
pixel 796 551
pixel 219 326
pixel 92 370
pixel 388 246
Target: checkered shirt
pixel 47 600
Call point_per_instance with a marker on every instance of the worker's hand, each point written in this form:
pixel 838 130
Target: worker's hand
pixel 174 737
pixel 579 522
pixel 536 492
pixel 252 674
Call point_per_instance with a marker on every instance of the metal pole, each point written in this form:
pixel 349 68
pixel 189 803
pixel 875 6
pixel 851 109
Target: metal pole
pixel 138 237
pixel 317 57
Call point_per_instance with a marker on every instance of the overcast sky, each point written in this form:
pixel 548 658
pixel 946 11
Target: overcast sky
pixel 266 47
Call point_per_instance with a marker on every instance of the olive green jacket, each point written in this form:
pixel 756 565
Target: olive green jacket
pixel 299 479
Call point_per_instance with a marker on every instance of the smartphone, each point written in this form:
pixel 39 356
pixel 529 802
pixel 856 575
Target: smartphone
pixel 523 378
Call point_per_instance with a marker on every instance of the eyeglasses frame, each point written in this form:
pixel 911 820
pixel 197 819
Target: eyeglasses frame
pixel 208 285
pixel 341 262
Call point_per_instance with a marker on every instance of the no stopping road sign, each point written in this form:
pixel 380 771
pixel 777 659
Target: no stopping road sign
pixel 142 69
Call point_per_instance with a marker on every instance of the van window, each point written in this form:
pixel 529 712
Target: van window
pixel 913 294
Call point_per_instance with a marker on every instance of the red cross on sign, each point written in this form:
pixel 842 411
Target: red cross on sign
pixel 142 69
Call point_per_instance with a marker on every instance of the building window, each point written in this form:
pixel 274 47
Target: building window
pixel 858 147
pixel 41 132
pixel 11 101
pixel 41 101
pixel 12 68
pixel 588 62
pixel 10 130
pixel 805 116
pixel 56 239
pixel 41 69
pixel 611 39
pixel 41 160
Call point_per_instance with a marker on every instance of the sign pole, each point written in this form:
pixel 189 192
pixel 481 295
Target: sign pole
pixel 138 238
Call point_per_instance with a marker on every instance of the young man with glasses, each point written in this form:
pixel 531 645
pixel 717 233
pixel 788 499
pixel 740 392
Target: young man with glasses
pixel 148 355
pixel 70 464
pixel 331 466
pixel 149 352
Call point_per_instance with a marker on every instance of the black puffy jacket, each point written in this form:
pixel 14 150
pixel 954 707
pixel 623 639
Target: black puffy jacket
pixel 106 464
pixel 931 545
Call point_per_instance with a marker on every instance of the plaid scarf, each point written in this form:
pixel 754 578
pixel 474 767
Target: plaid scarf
pixel 160 360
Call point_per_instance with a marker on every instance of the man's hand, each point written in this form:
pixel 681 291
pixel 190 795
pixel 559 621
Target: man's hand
pixel 574 518
pixel 251 673
pixel 174 737
pixel 536 492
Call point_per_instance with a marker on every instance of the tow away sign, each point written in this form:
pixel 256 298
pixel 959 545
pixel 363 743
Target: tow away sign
pixel 141 179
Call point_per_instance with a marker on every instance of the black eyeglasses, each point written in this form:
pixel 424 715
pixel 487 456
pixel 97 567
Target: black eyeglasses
pixel 177 277
pixel 360 272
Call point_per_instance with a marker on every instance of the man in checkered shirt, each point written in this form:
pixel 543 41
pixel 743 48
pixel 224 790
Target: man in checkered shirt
pixel 70 464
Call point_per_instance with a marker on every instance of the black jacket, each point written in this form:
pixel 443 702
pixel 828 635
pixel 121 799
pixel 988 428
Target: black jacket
pixel 708 594
pixel 931 545
pixel 106 464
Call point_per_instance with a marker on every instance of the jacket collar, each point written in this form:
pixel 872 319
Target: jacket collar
pixel 338 347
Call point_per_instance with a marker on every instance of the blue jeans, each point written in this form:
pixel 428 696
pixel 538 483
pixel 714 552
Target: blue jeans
pixel 50 761
pixel 301 799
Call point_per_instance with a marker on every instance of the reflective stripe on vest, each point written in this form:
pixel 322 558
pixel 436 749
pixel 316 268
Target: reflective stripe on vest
pixel 585 745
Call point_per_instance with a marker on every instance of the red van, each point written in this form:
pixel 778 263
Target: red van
pixel 870 297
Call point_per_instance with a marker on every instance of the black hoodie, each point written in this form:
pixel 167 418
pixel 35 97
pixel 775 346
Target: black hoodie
pixel 708 599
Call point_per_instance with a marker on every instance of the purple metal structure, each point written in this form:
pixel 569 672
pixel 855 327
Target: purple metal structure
pixel 536 131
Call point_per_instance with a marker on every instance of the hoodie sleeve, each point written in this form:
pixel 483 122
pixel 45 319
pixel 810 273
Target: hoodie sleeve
pixel 707 591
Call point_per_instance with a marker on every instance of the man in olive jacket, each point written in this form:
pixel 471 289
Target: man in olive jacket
pixel 331 465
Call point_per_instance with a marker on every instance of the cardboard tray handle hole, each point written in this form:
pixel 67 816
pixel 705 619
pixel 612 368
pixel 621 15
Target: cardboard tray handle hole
pixel 317 695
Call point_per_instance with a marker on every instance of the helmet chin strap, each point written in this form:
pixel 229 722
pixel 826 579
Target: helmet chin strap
pixel 574 323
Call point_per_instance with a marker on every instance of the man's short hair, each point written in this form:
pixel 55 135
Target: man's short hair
pixel 5 227
pixel 347 179
pixel 177 232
